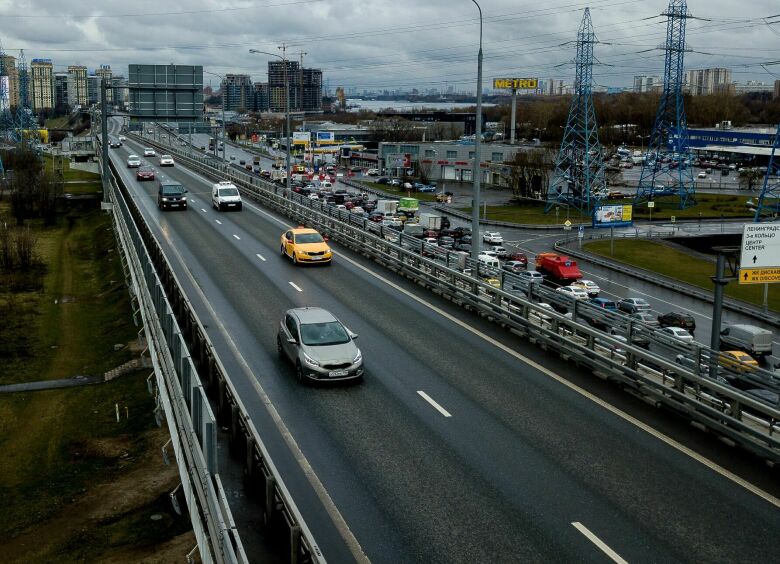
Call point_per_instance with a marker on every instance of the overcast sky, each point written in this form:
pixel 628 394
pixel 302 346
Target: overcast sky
pixel 373 44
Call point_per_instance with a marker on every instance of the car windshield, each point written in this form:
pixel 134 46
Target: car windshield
pixel 324 334
pixel 132 157
pixel 144 170
pixel 228 192
pixel 172 190
pixel 308 238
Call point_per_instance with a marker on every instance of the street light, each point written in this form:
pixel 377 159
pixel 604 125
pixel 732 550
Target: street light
pixel 287 112
pixel 224 154
pixel 477 148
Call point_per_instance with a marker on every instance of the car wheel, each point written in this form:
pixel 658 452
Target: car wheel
pixel 279 348
pixel 281 250
pixel 299 373
pixel 295 258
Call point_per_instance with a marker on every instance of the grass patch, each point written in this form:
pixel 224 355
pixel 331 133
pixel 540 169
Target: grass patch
pixel 680 266
pixel 530 213
pixel 708 206
pixel 83 187
pixel 68 173
pixel 57 122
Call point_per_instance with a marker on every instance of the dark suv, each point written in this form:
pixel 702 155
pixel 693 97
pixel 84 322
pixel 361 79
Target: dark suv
pixel 677 319
pixel 170 195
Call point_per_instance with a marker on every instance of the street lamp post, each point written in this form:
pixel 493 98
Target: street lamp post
pixel 224 144
pixel 477 148
pixel 287 112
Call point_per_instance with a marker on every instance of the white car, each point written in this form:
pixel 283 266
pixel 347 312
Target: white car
pixel 225 195
pixel 492 237
pixel 589 286
pixel 677 333
pixel 122 138
pixel 488 253
pixel 133 161
pixel 372 172
pixel 313 196
pixel 573 292
pixel 166 160
pixel 501 252
pixel 149 152
pixel 702 174
pixel 531 276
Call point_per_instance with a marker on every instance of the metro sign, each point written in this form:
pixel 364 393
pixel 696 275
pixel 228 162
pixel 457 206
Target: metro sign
pixel 516 83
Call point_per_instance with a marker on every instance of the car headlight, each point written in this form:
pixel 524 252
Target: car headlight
pixel 165 199
pixel 309 360
pixel 184 198
pixel 358 357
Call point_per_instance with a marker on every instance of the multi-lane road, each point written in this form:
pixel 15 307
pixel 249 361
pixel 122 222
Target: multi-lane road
pixel 464 443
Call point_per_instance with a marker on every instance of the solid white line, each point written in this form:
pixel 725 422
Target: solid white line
pixel 261 257
pixel 581 391
pixel 218 221
pixel 295 286
pixel 435 405
pixel 599 543
pixel 237 237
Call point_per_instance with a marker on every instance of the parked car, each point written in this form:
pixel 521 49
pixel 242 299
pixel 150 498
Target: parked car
pixel 382 180
pixel 144 173
pixel 372 172
pixel 319 346
pixel 702 174
pixel 633 305
pixel 677 319
pixel 492 238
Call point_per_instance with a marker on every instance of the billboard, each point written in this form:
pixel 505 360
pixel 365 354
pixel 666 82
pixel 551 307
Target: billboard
pixel 325 137
pixel 516 83
pixel 301 137
pixel 398 160
pixel 613 216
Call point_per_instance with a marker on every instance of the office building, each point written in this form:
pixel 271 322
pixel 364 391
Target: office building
pixel 311 95
pixel 166 92
pixel 93 89
pixel 237 92
pixel 553 87
pixel 261 101
pixel 8 68
pixel 78 93
pixel 702 82
pixel 60 89
pixel 752 86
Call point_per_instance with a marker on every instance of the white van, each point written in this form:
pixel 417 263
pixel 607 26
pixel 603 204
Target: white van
pixel 225 195
pixel 749 338
pixel 488 261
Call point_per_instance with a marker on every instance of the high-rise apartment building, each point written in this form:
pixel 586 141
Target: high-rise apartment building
pixel 278 72
pixel 311 95
pixel 78 92
pixel 60 89
pixel 644 83
pixel 93 89
pixel 41 84
pixel 237 92
pixel 553 87
pixel 261 97
pixel 8 68
pixel 105 73
pixel 701 82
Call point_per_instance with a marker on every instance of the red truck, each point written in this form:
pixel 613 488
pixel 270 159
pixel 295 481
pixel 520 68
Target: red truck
pixel 558 268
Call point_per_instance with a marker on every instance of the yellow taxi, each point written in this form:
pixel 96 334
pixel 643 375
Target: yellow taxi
pixel 305 245
pixel 738 361
pixel 495 282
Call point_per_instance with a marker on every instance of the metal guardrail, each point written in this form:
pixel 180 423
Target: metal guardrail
pixel 179 394
pixel 710 402
pixel 199 371
pixel 565 246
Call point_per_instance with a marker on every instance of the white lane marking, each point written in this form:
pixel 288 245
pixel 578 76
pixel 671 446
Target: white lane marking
pixel 261 257
pixel 218 221
pixel 435 405
pixel 581 391
pixel 295 286
pixel 203 210
pixel 237 237
pixel 314 480
pixel 599 543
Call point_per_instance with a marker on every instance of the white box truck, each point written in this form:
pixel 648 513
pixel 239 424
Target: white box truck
pixel 430 221
pixel 387 207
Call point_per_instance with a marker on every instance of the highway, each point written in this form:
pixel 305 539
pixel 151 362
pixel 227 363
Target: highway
pixel 464 443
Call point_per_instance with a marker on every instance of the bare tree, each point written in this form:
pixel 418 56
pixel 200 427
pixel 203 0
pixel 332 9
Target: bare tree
pixel 529 172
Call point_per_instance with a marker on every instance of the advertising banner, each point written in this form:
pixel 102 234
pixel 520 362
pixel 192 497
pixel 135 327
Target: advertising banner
pixel 613 216
pixel 325 137
pixel 395 160
pixel 301 137
pixel 515 83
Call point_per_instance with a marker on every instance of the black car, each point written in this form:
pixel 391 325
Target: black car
pixel 382 180
pixel 170 195
pixel 677 319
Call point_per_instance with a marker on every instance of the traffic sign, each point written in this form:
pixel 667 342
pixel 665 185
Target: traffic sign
pixel 650 204
pixel 567 225
pixel 673 218
pixel 760 246
pixel 759 275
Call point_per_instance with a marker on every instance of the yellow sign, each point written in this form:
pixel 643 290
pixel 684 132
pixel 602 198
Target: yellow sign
pixel 627 212
pixel 759 275
pixel 516 83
